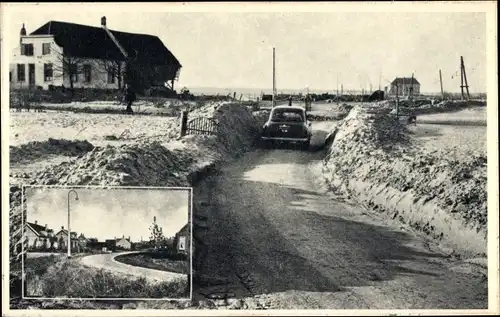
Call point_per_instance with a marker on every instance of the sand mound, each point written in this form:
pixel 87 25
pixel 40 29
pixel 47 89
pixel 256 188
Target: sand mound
pixel 372 158
pixel 237 126
pixel 37 150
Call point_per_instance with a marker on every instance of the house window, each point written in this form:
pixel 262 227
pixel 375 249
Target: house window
pixel 111 76
pixel 87 72
pixel 73 71
pixel 27 49
pixel 46 48
pixel 21 72
pixel 10 77
pixel 48 72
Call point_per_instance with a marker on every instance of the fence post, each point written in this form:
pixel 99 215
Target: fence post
pixel 184 120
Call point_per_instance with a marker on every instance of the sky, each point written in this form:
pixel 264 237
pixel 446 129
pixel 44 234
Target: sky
pixel 109 213
pixel 319 50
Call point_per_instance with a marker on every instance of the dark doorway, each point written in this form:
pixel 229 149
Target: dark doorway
pixel 31 74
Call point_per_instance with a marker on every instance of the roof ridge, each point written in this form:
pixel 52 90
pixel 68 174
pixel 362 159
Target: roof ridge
pixel 100 28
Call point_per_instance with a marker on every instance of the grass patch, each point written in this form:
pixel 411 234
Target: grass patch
pixel 161 260
pixel 62 277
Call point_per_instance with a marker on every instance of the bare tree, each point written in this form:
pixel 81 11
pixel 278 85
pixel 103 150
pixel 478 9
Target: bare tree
pixel 113 68
pixel 67 65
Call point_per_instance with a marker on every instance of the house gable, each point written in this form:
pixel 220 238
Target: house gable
pixel 32 230
pixel 404 81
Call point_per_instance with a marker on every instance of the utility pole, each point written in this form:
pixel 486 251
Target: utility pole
pixel 463 79
pixel 397 101
pixel 342 89
pixel 274 78
pixel 379 76
pixel 441 82
pixel 411 87
pixel 337 90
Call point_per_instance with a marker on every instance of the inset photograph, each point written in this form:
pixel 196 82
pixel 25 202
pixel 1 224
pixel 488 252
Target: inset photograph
pixel 107 243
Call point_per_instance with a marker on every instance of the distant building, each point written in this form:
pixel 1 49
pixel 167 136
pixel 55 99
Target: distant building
pixel 82 241
pixel 123 243
pixel 403 86
pixel 62 53
pixel 62 238
pixel 182 240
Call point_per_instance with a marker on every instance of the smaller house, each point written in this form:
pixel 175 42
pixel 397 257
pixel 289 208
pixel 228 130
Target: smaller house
pixel 82 241
pixel 123 243
pixel 182 240
pixel 62 238
pixel 404 86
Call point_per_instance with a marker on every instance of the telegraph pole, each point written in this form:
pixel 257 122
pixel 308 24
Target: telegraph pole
pixel 397 101
pixel 464 79
pixel 274 77
pixel 411 87
pixel 337 90
pixel 441 82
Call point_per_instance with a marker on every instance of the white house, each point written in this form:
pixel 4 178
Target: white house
pixel 124 243
pixel 405 86
pixel 80 56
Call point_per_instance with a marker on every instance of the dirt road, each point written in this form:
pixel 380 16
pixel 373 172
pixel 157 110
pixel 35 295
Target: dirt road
pixel 108 262
pixel 278 240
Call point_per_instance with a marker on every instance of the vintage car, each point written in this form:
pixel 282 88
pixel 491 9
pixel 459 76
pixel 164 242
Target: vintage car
pixel 287 124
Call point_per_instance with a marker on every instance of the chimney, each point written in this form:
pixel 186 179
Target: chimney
pixel 62 227
pixel 103 21
pixel 45 227
pixel 23 31
pixel 36 222
pixel 128 238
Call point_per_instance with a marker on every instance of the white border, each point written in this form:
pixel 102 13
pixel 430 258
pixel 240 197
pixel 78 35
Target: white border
pixel 489 7
pixel 190 220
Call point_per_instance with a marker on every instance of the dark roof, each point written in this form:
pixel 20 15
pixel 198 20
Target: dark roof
pixel 184 229
pixel 64 231
pixel 94 42
pixel 405 81
pixel 36 227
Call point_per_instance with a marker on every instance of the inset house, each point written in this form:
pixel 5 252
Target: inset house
pixel 81 56
pixel 82 241
pixel 182 240
pixel 404 86
pixel 38 237
pixel 62 238
pixel 123 243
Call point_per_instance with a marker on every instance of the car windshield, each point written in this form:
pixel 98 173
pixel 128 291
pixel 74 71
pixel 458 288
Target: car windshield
pixel 287 115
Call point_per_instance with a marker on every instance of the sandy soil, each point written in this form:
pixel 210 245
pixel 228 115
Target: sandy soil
pixel 277 240
pixel 459 133
pixel 435 183
pixel 29 126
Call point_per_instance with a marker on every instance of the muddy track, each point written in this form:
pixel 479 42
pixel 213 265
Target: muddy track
pixel 270 235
